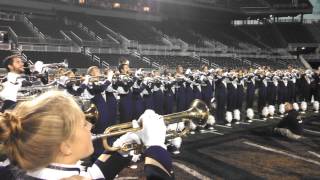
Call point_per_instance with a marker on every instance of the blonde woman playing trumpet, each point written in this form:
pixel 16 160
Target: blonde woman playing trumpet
pixel 47 137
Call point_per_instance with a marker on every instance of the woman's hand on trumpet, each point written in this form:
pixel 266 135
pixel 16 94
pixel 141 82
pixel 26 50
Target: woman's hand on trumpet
pixel 127 138
pixel 153 132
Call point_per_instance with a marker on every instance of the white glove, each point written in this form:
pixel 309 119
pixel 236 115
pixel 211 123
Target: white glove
pixel 172 127
pixel 86 80
pixel 181 126
pixel 176 142
pixel 110 75
pixel 153 132
pixel 127 138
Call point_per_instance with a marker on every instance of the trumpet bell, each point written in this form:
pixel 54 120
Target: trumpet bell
pixel 92 114
pixel 198 113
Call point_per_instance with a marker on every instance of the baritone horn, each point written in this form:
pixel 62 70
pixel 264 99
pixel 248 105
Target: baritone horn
pixel 198 113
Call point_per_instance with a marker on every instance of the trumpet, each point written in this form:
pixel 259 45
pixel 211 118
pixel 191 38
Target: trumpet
pixel 39 66
pixel 198 113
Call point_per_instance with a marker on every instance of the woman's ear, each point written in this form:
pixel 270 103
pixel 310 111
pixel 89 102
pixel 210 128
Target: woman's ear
pixel 65 148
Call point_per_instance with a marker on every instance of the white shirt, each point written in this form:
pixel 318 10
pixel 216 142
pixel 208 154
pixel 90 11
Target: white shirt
pixel 58 171
pixel 11 87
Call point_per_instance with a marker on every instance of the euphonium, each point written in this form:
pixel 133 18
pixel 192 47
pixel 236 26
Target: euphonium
pixel 198 113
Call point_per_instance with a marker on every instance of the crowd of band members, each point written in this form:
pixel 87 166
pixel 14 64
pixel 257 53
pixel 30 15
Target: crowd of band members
pixel 125 95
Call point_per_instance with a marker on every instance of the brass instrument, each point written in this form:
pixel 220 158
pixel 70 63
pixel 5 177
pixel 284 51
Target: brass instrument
pixel 198 113
pixel 92 114
pixel 39 65
pixel 29 93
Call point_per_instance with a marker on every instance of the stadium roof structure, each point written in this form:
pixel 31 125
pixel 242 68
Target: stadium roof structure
pixel 212 10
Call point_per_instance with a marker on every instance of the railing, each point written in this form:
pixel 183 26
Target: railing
pixel 37 40
pixel 5 46
pixel 96 59
pixel 108 50
pixel 32 27
pixel 102 43
pixel 48 48
pixel 7 17
pixel 105 64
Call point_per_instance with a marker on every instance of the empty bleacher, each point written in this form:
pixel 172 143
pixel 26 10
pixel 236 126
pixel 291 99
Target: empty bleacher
pixel 52 28
pixel 272 63
pixel 227 62
pixel 295 33
pixel 265 33
pixel 133 30
pixel 180 30
pixel 18 27
pixel 173 61
pixel 113 60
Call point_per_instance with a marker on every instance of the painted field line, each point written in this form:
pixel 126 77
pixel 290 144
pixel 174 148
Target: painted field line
pixel 282 153
pixel 191 171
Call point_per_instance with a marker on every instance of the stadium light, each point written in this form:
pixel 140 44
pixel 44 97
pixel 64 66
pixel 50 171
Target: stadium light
pixel 146 9
pixel 116 5
pixel 1 37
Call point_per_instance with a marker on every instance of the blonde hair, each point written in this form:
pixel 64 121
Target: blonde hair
pixel 32 132
pixel 91 69
pixel 288 106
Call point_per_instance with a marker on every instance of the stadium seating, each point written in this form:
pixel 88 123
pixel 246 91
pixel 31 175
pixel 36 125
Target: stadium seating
pixel 227 62
pixel 18 27
pixel 113 60
pixel 138 31
pixel 295 33
pixel 173 61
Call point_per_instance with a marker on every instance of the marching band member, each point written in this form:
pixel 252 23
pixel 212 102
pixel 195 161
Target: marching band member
pixel 262 92
pixel 292 87
pixel 188 88
pixel 283 92
pixel 221 96
pixel 158 95
pixel 180 89
pixel 240 93
pixel 125 92
pixel 75 88
pixel 168 94
pixel 96 89
pixel 289 126
pixel 137 89
pixel 111 103
pixel 272 90
pixel 305 86
pixel 197 88
pixel 316 78
pixel 232 87
pixel 46 138
pixel 148 91
pixel 13 81
pixel 250 92
pixel 207 88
